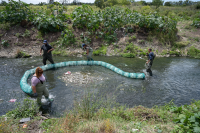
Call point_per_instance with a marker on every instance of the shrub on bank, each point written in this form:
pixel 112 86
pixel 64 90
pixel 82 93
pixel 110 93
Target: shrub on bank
pixel 182 44
pixel 28 108
pixel 128 55
pixel 194 52
pixel 101 51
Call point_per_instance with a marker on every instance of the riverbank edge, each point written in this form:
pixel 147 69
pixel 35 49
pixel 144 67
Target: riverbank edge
pixel 119 119
pixel 20 52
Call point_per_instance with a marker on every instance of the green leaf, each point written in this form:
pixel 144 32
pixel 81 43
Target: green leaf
pixel 196 129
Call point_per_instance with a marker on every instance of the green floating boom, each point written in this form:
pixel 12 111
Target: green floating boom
pixel 27 88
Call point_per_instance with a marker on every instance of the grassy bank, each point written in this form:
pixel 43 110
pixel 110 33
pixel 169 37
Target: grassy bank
pixel 102 114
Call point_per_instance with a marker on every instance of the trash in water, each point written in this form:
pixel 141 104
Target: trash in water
pixel 5 64
pixel 126 65
pixel 1 99
pixel 25 126
pixel 140 57
pixel 25 120
pixel 32 66
pixel 68 72
pixel 12 100
pixel 66 84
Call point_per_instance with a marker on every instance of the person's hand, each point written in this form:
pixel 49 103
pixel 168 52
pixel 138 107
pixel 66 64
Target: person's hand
pixel 35 95
pixel 40 54
pixel 147 62
pixel 48 51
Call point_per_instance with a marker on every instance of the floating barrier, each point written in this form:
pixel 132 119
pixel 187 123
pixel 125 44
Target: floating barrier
pixel 27 88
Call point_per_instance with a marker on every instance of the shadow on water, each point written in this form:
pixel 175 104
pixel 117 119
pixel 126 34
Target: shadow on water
pixel 173 78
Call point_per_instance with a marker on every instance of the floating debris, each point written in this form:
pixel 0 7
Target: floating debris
pixel 24 120
pixel 12 100
pixel 25 126
pixel 67 73
pixel 80 78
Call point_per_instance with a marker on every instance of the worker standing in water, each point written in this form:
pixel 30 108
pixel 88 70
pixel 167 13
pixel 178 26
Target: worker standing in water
pixel 46 52
pixel 89 51
pixel 149 63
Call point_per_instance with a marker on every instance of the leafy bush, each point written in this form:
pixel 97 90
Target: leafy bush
pixel 194 52
pixel 69 38
pixel 5 43
pixel 15 12
pixel 182 44
pixel 99 3
pixel 28 108
pixel 177 53
pixel 100 51
pixel 164 52
pixel 128 55
pixel 196 23
pixel 47 23
pixel 188 117
pixel 21 54
pixel 26 33
pixel 105 22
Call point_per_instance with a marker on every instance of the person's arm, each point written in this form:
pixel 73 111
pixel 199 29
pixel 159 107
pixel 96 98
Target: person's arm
pixel 87 51
pixel 50 50
pixel 40 51
pixel 34 89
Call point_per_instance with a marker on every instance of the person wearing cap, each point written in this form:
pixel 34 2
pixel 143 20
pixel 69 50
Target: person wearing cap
pixel 149 63
pixel 46 52
pixel 89 51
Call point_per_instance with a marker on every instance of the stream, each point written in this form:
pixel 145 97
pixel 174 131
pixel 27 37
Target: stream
pixel 174 78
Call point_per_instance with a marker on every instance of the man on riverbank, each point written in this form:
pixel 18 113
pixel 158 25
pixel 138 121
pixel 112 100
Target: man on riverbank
pixel 150 61
pixel 46 52
pixel 89 51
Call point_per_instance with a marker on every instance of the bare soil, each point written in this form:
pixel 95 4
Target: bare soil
pixel 31 44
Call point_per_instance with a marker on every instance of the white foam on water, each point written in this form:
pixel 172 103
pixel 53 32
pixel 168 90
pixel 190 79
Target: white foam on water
pixel 45 101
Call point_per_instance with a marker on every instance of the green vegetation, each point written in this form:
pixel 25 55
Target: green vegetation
pixel 164 52
pixel 97 22
pixel 176 52
pixel 101 51
pixel 26 33
pixel 28 108
pixel 5 26
pixel 132 38
pixel 103 114
pixel 69 38
pixel 181 44
pixel 17 35
pixel 128 55
pixel 196 22
pixel 58 52
pixel 194 52
pixel 157 3
pixel 21 54
pixel 4 43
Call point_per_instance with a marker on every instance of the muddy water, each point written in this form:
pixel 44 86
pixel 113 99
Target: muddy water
pixel 173 78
